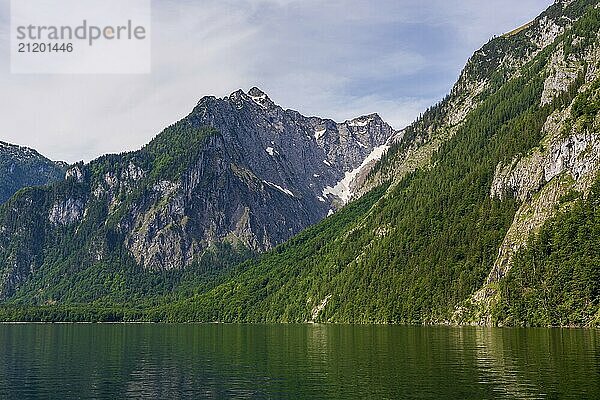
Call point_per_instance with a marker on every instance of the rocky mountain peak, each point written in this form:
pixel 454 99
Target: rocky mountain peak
pixel 369 118
pixel 260 98
pixel 254 96
pixel 239 169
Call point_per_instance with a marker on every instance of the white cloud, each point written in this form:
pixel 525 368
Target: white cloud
pixel 335 59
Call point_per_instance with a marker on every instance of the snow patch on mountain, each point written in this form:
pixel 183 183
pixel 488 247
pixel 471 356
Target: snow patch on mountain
pixel 343 189
pixel 319 133
pixel 260 100
pixel 271 151
pixel 286 191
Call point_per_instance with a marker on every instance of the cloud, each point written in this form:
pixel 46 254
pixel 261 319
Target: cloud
pixel 337 59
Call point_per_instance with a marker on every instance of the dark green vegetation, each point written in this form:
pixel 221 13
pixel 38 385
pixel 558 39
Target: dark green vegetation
pixel 105 285
pixel 408 252
pixel 21 167
pixel 556 279
pixel 65 268
pixel 420 250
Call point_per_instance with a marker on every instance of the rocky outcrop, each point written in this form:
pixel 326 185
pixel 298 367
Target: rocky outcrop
pixel 66 212
pixel 561 75
pixel 539 181
pixel 568 160
pixel 253 175
pixel 413 147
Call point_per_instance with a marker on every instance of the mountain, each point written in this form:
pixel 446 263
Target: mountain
pixel 238 171
pixel 21 167
pixel 484 211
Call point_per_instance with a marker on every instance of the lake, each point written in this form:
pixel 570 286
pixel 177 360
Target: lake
pixel 106 361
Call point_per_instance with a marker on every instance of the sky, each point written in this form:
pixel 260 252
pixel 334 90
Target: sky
pixel 337 59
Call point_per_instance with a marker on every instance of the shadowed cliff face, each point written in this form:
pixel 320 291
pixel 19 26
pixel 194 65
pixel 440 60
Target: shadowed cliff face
pixel 238 170
pixel 261 177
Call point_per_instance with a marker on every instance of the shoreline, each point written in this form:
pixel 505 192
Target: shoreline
pixel 295 323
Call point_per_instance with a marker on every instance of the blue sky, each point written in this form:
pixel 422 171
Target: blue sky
pixel 336 59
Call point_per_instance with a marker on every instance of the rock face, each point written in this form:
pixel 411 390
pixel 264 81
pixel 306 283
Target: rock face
pixel 302 155
pixel 566 161
pixel 239 169
pixel 261 178
pixel 66 212
pixel 569 155
pixel 413 147
pixel 21 167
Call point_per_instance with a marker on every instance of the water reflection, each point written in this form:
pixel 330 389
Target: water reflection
pixel 499 368
pixel 295 361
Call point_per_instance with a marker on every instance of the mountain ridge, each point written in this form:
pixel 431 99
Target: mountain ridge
pixel 448 226
pixel 424 251
pixel 239 170
pixel 22 166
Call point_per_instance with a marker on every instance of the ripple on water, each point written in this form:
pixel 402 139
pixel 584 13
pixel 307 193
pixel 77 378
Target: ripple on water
pixel 296 361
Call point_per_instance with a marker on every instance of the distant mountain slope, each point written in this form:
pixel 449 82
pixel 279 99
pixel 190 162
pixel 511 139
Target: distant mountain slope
pixel 473 179
pixel 21 167
pixel 484 211
pixel 239 170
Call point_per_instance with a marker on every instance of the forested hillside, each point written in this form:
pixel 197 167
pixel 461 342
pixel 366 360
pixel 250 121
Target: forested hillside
pixel 431 241
pixel 485 210
pixel 21 167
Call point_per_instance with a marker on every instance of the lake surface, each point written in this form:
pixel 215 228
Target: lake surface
pixel 39 361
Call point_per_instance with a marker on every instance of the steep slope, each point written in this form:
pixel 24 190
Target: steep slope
pixel 238 170
pixel 556 173
pixel 555 279
pixel 21 167
pixel 486 71
pixel 474 171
